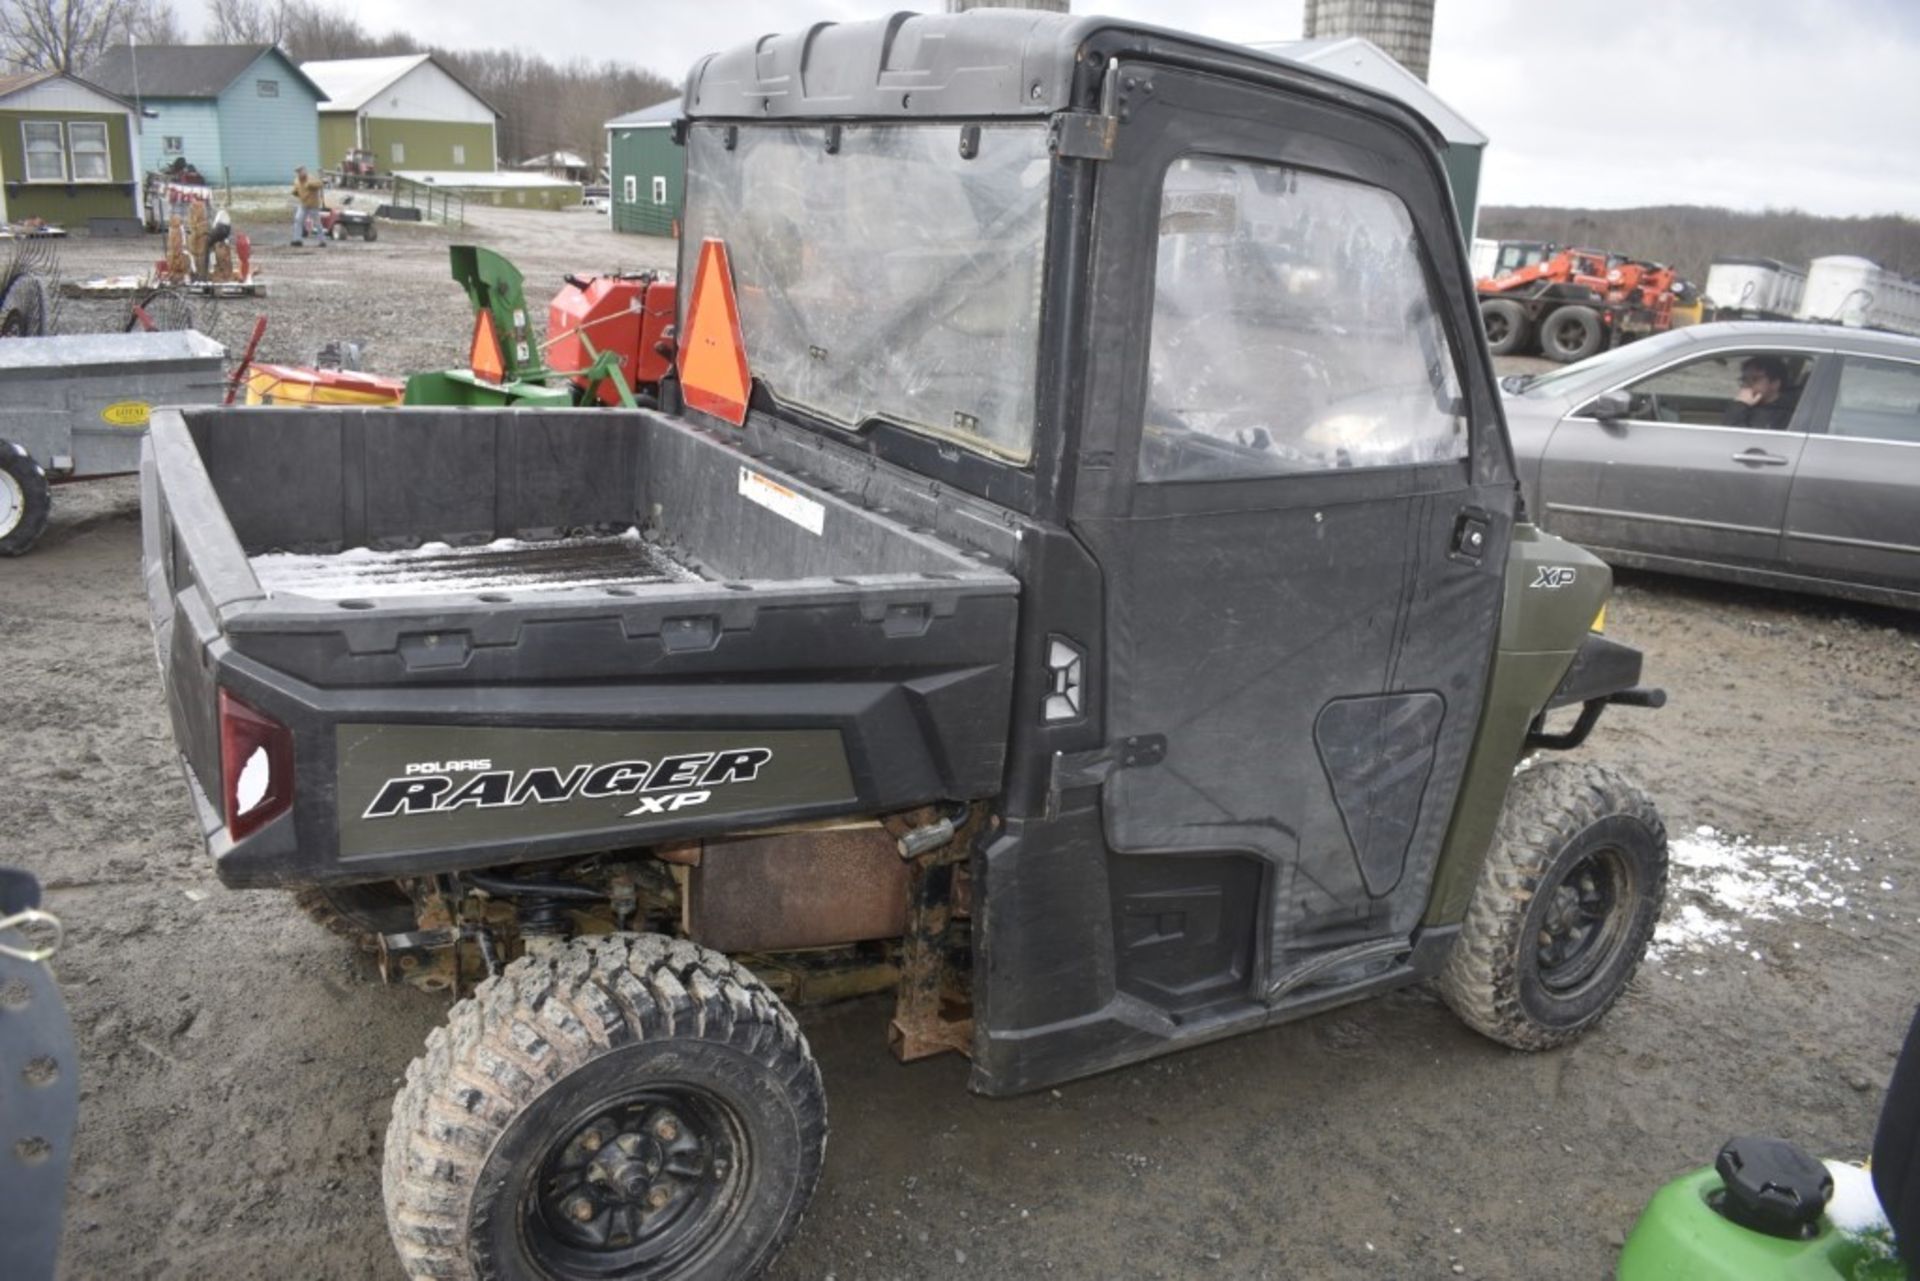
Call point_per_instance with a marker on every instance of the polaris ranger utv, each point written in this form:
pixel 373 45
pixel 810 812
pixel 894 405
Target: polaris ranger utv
pixel 1076 583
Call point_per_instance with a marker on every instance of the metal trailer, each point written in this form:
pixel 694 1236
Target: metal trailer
pixel 1757 287
pixel 1857 292
pixel 76 407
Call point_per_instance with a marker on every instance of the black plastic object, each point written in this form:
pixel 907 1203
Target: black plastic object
pixel 1772 1186
pixel 1896 1151
pixel 19 891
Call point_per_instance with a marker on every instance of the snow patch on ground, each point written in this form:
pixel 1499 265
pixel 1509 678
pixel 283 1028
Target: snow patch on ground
pixel 1855 1206
pixel 1718 883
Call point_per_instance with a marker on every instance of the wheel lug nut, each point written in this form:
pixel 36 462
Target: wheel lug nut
pixel 580 1209
pixel 591 1140
pixel 659 1195
pixel 665 1130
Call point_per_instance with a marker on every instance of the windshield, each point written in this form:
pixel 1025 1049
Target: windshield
pixel 888 277
pixel 1569 379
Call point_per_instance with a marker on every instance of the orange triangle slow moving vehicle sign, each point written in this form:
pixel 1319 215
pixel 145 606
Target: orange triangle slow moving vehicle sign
pixel 713 355
pixel 484 356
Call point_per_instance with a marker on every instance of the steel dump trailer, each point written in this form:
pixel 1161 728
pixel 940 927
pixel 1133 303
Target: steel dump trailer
pixel 407 642
pixel 74 407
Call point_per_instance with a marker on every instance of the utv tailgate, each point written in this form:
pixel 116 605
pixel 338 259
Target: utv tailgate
pixel 502 636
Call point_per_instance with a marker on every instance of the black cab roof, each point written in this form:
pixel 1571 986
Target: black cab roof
pixel 981 63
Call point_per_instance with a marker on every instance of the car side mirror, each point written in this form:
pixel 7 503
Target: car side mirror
pixel 1609 405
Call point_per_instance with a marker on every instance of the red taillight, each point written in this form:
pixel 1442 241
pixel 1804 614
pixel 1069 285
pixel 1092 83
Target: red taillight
pixel 256 767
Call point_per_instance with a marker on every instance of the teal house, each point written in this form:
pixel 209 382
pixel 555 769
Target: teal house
pixel 243 114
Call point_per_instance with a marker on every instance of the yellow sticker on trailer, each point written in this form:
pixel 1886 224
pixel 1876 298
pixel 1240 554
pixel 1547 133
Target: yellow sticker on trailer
pixel 127 413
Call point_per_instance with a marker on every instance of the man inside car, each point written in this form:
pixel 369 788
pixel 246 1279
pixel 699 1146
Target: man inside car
pixel 1762 399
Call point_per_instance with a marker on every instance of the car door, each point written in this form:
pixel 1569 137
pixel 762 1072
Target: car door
pixel 1854 511
pixel 1671 479
pixel 1301 527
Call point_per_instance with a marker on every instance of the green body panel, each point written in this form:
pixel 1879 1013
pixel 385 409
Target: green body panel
pixel 68 204
pixel 1541 628
pixel 429 144
pixel 1681 1238
pixel 495 285
pixel 460 387
pixel 481 781
pixel 339 135
pixel 644 154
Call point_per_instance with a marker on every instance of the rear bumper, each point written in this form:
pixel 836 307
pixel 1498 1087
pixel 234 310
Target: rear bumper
pixel 831 748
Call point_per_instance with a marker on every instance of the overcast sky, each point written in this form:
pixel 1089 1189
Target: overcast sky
pixel 1813 104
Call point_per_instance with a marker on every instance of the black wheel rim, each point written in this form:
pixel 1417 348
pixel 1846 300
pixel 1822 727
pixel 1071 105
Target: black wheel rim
pixel 1585 922
pixel 1496 327
pixel 1569 335
pixel 641 1184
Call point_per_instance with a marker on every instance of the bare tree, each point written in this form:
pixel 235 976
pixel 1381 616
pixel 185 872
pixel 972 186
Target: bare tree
pixel 310 31
pixel 245 21
pixel 152 22
pixel 58 35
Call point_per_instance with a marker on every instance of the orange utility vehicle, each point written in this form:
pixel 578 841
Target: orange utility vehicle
pixel 1567 304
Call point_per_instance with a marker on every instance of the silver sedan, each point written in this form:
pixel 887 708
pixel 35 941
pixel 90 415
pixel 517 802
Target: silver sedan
pixel 1780 455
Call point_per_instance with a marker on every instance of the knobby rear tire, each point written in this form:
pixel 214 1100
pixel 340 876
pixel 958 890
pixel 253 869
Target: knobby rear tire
pixel 578 1027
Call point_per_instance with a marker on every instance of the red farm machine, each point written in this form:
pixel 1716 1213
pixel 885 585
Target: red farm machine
pixel 609 342
pixel 1568 304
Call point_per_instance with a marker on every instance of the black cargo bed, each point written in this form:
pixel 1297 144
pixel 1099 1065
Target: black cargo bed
pixel 625 560
pixel 407 581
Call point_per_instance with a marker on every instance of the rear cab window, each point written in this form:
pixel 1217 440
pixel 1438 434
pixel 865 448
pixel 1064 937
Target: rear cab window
pixel 1293 329
pixel 886 274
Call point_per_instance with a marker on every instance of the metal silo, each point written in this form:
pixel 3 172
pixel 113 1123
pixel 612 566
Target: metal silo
pixel 1403 28
pixel 1046 6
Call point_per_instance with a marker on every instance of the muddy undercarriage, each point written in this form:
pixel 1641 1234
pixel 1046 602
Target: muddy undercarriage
pixel 820 913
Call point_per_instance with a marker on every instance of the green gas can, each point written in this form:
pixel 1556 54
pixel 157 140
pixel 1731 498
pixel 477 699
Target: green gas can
pixel 1777 1217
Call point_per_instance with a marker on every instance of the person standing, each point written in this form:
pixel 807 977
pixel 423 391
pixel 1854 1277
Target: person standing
pixel 306 207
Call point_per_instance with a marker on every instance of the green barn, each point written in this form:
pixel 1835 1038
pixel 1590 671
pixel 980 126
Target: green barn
pixel 410 111
pixel 648 169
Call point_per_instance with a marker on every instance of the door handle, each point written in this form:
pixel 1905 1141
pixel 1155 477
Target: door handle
pixel 1760 458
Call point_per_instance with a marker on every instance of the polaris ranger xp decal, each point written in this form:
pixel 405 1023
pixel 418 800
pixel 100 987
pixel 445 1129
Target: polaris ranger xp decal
pixel 406 786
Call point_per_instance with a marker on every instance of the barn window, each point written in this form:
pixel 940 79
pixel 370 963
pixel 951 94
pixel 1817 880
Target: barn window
pixel 46 156
pixel 267 88
pixel 459 153
pixel 399 153
pixel 173 144
pixel 630 189
pixel 659 189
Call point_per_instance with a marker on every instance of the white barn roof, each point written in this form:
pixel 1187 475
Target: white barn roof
pixel 350 83
pixel 1365 63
